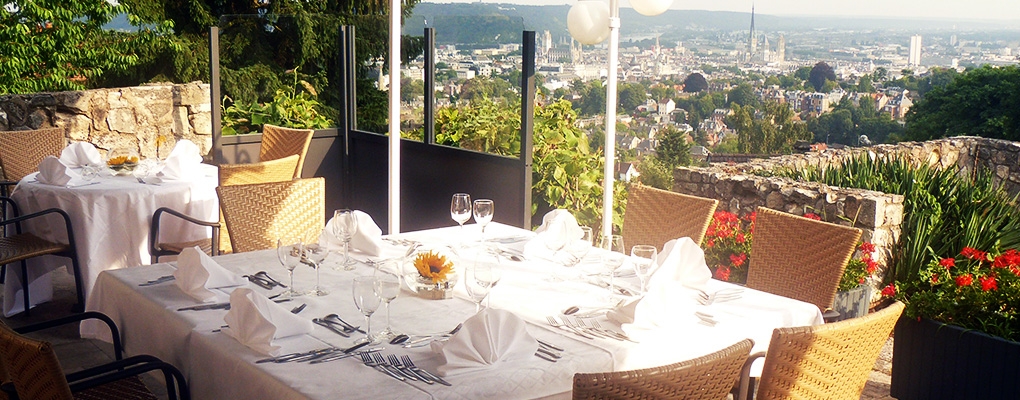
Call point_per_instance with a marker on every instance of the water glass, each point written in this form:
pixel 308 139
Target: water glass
pixel 289 251
pixel 460 208
pixel 315 253
pixel 643 258
pixel 483 210
pixel 367 302
pixel 480 278
pixel 345 225
pixel 387 288
pixel 612 257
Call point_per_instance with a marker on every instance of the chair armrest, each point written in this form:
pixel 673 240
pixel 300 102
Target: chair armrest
pixel 9 201
pixel 118 348
pixel 745 376
pixel 157 216
pixel 67 221
pixel 132 366
pixel 830 315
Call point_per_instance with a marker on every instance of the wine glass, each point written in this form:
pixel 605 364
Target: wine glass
pixel 643 257
pixel 315 253
pixel 483 210
pixel 367 302
pixel 289 251
pixel 387 288
pixel 578 249
pixel 345 225
pixel 481 276
pixel 460 208
pixel 612 257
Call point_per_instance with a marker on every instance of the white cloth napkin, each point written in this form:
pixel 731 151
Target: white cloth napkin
pixel 197 273
pixel 367 239
pixel 183 162
pixel 80 154
pixel 53 172
pixel 559 230
pixel 256 321
pixel 490 337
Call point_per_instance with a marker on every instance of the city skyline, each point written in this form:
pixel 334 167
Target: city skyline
pixel 999 10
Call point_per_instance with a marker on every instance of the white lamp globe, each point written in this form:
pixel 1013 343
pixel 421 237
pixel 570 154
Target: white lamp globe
pixel 651 8
pixel 588 21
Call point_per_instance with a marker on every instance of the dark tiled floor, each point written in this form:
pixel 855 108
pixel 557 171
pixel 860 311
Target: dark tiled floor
pixel 76 354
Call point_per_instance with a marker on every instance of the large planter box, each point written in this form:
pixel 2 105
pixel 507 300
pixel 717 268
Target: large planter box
pixel 852 303
pixel 932 360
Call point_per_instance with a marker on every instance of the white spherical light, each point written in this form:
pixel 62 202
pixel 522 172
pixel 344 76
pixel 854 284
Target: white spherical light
pixel 588 21
pixel 651 8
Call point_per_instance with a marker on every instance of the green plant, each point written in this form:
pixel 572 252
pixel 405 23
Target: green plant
pixel 289 108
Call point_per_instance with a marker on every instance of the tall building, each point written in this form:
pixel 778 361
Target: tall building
pixel 752 41
pixel 914 60
pixel 781 49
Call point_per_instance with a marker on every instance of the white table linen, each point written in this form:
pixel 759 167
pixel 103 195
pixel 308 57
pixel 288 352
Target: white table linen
pixel 218 366
pixel 111 221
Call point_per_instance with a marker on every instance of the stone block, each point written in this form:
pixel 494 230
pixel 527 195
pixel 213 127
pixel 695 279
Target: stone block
pixel 199 108
pixel 201 124
pixel 1001 171
pixel 774 200
pixel 893 214
pixel 77 102
pixel 122 120
pixel 38 118
pixel 77 126
pixel 194 93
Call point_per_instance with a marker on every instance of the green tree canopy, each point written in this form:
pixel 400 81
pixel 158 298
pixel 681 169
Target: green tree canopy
pixel 774 132
pixel 631 96
pixel 743 95
pixel 982 102
pixel 673 148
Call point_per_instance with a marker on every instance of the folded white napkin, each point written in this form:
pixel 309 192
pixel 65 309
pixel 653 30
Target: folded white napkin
pixel 367 239
pixel 183 162
pixel 681 260
pixel 197 273
pixel 559 230
pixel 492 336
pixel 80 154
pixel 256 321
pixel 53 172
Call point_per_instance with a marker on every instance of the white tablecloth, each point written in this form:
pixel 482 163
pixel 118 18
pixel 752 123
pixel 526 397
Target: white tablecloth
pixel 111 221
pixel 218 367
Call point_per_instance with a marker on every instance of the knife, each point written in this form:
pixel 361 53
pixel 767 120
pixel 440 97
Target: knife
pixel 429 374
pixel 218 306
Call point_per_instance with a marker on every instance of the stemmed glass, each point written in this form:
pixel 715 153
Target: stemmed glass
pixel 387 288
pixel 367 302
pixel 289 251
pixel 345 225
pixel 643 257
pixel 315 253
pixel 480 278
pixel 460 208
pixel 613 257
pixel 483 210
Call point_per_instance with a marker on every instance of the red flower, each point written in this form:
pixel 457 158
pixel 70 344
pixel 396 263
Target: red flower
pixel 974 254
pixel 741 239
pixel 934 278
pixel 948 262
pixel 722 273
pixel 964 280
pixel 710 243
pixel 988 283
pixel 738 260
pixel 889 290
pixel 872 265
pixel 812 216
pixel 867 248
pixel 1011 258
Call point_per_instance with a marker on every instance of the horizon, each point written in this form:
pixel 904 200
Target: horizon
pixel 974 10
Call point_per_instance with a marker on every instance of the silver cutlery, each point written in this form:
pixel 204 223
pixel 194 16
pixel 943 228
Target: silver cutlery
pixel 159 280
pixel 298 309
pixel 424 340
pixel 335 319
pixel 327 325
pixel 706 319
pixel 543 356
pixel 394 361
pixel 410 365
pixel 549 346
pixel 341 355
pixel 385 364
pixel 367 359
pixel 142 181
pixel 219 306
pixel 719 296
pixel 264 277
pixel 556 324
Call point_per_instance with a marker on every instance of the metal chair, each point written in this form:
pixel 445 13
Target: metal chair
pixel 799 258
pixel 707 377
pixel 230 174
pixel 20 247
pixel 830 361
pixel 256 215
pixel 656 216
pixel 279 142
pixel 29 369
pixel 22 151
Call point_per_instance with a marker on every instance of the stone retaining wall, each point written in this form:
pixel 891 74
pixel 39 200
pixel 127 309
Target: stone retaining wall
pixel 131 118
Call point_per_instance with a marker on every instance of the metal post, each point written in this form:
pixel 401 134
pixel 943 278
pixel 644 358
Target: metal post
pixel 214 94
pixel 610 146
pixel 394 117
pixel 430 84
pixel 527 119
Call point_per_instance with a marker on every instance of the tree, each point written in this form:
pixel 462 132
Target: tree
pixel 936 77
pixel 982 102
pixel 593 97
pixel 820 73
pixel 743 95
pixel 695 83
pixel 774 133
pixel 803 73
pixel 673 149
pixel 410 89
pixel 632 95
pixel 864 85
pixel 881 74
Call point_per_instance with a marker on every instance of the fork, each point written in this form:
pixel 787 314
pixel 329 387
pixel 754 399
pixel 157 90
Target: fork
pixel 720 296
pixel 620 335
pixel 395 362
pixel 410 365
pixel 367 359
pixel 393 367
pixel 556 324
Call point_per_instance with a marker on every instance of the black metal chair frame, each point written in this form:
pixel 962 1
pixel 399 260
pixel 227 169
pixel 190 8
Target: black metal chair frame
pixel 155 252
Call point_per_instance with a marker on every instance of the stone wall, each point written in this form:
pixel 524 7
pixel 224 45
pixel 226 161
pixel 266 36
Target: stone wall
pixel 130 118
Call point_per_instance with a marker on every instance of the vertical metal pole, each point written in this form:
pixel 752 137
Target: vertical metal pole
pixel 394 117
pixel 430 84
pixel 527 119
pixel 345 118
pixel 610 146
pixel 214 94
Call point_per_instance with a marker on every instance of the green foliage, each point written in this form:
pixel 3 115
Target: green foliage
pixel 774 132
pixel 982 102
pixel 484 87
pixel 631 96
pixel 592 97
pixel 819 74
pixel 289 108
pixel 673 149
pixel 743 95
pixel 482 126
pixel 655 173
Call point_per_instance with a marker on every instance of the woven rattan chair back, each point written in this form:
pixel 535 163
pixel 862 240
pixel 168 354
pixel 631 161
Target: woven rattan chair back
pixel 22 151
pixel 830 361
pixel 279 142
pixel 799 258
pixel 33 367
pixel 708 377
pixel 656 216
pixel 256 215
pixel 278 170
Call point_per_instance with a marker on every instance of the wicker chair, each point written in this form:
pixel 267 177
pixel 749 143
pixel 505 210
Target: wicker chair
pixel 279 142
pixel 32 371
pixel 19 247
pixel 256 215
pixel 22 151
pixel 708 377
pixel 799 258
pixel 830 361
pixel 656 216
pixel 230 174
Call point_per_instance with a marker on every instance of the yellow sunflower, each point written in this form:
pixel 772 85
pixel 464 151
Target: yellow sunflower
pixel 433 266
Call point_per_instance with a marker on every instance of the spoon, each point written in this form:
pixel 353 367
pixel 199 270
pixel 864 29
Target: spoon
pixel 401 338
pixel 336 319
pixel 570 310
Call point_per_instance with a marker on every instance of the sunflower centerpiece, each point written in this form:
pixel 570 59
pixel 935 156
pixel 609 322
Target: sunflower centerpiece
pixel 433 275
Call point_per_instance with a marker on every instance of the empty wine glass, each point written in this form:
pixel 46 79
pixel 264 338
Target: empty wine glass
pixel 367 302
pixel 315 253
pixel 345 225
pixel 387 287
pixel 643 257
pixel 460 208
pixel 483 210
pixel 289 251
pixel 612 257
pixel 578 249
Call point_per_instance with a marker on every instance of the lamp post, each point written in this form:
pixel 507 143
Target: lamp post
pixel 590 21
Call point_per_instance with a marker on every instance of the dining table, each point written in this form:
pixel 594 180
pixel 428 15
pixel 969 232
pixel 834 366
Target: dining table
pixel 110 215
pixel 155 319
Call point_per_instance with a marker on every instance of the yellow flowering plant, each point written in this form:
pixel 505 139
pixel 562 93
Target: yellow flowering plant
pixel 432 265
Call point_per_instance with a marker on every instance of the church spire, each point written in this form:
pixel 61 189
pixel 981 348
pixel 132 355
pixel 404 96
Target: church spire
pixel 752 45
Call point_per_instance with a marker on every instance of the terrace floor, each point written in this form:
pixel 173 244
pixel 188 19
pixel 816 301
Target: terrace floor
pixel 76 354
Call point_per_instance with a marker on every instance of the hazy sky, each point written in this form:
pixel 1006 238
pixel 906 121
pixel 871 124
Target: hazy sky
pixel 955 9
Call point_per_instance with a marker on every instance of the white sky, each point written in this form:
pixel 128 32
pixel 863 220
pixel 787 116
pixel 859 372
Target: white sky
pixel 955 9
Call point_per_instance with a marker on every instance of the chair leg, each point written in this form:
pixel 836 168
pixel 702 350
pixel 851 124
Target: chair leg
pixel 24 286
pixel 3 274
pixel 80 307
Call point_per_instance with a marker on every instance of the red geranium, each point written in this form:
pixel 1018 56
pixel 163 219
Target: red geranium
pixel 988 283
pixel 964 280
pixel 812 216
pixel 948 262
pixel 738 260
pixel 889 290
pixel 722 273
